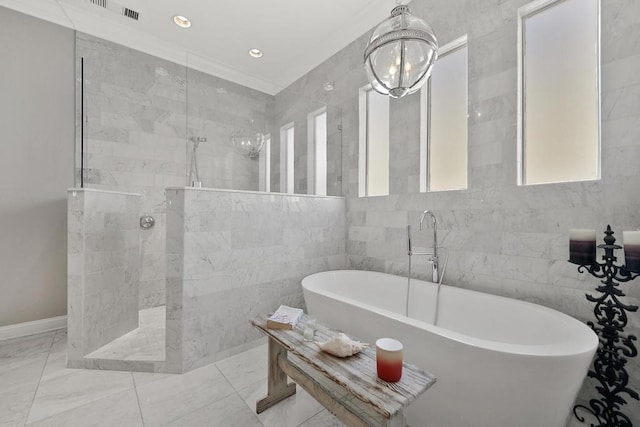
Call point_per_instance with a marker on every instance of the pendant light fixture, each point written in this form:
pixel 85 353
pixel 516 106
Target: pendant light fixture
pixel 248 144
pixel 400 54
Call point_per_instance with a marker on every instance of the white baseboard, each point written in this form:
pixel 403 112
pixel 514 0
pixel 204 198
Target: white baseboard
pixel 35 327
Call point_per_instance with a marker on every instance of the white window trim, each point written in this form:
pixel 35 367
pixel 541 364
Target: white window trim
pixel 362 137
pixel 311 150
pixel 425 107
pixel 286 175
pixel 523 12
pixel 264 166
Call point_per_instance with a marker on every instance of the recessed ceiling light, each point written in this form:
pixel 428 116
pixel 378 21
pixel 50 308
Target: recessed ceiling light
pixel 182 21
pixel 328 86
pixel 256 53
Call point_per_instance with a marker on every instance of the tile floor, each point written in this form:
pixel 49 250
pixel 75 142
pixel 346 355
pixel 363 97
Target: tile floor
pixel 36 389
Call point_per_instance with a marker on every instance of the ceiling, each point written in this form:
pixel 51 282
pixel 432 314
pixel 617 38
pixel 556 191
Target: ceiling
pixel 294 35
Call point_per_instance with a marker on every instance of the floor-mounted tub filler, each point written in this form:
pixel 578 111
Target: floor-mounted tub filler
pixel 499 362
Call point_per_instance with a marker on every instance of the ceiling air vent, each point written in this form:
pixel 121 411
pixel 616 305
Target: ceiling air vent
pixel 114 7
pixel 129 13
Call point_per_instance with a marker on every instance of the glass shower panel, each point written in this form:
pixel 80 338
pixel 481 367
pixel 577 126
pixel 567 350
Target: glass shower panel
pixel 132 133
pixel 132 119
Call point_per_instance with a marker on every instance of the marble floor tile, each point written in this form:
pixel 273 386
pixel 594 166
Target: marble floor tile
pixel 37 389
pixel 15 403
pixel 228 412
pixel 120 409
pixel 144 378
pixel 57 359
pixel 291 412
pixel 21 364
pixel 27 346
pixel 62 389
pixel 168 399
pixel 246 368
pixel 21 371
pixel 323 419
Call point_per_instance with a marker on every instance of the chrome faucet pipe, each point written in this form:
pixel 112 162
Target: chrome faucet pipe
pixel 435 275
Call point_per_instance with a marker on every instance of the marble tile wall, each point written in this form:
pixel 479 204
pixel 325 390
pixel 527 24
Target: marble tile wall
pixel 103 269
pixel 218 109
pixel 140 113
pixel 232 256
pixel 503 239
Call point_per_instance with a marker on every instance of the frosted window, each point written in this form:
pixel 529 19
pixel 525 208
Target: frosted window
pixel 287 158
pixel 317 147
pixel 447 122
pixel 264 166
pixel 375 157
pixel 559 94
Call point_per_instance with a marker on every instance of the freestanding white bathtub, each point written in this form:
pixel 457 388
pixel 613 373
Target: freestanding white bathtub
pixel 499 362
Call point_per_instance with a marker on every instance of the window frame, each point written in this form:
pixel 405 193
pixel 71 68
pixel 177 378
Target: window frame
pixel 287 161
pixel 529 10
pixel 264 166
pixel 363 146
pixel 425 118
pixel 312 153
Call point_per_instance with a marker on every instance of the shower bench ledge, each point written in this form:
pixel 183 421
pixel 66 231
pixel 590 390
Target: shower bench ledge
pixel 348 387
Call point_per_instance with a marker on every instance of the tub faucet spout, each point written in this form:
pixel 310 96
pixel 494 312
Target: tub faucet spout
pixel 434 259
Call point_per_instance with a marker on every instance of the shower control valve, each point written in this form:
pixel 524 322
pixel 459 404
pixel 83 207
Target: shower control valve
pixel 147 221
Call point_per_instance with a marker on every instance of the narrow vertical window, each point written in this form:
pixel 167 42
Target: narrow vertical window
pixel 444 113
pixel 264 166
pixel 374 143
pixel 286 158
pixel 559 104
pixel 317 149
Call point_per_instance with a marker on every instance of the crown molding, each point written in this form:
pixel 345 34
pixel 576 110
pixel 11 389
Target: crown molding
pixel 81 20
pixel 47 10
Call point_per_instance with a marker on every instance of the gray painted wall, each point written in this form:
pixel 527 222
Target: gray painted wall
pixel 36 165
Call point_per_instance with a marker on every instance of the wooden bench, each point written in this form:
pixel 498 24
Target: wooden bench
pixel 348 387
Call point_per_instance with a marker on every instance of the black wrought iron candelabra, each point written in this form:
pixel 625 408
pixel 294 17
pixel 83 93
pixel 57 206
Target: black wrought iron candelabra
pixel 615 348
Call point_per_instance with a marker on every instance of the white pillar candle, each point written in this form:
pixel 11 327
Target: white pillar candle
pixel 631 240
pixel 582 246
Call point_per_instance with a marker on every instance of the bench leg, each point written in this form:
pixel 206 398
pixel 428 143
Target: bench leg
pixel 277 387
pixel 398 420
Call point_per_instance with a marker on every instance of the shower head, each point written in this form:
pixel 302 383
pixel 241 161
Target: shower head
pixel 197 140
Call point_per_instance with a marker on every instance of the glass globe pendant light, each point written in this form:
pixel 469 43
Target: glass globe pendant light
pixel 400 54
pixel 248 145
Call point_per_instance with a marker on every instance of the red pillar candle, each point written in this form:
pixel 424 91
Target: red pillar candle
pixel 389 359
pixel 631 240
pixel 582 246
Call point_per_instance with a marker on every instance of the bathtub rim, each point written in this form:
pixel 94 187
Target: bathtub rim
pixel 583 343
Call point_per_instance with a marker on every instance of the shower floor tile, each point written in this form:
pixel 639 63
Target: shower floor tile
pixel 146 343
